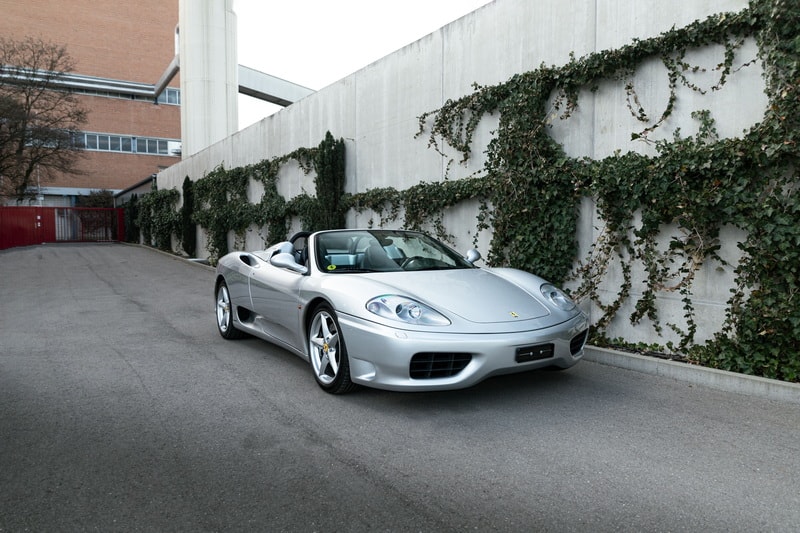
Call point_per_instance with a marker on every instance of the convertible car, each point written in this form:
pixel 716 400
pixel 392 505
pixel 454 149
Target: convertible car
pixel 395 310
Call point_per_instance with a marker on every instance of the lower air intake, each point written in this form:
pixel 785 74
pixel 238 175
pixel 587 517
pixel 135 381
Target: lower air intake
pixel 432 365
pixel 577 342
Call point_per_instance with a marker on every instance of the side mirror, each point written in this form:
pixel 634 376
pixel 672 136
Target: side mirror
pixel 286 260
pixel 472 256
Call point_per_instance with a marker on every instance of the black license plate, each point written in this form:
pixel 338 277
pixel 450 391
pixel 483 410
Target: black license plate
pixel 534 353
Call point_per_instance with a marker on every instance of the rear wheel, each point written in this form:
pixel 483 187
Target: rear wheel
pixel 328 353
pixel 225 314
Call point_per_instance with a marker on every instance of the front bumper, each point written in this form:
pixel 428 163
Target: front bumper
pixel 380 356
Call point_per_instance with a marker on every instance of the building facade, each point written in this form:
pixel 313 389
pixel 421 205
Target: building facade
pixel 120 50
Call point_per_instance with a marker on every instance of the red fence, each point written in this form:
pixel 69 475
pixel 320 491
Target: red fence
pixel 24 226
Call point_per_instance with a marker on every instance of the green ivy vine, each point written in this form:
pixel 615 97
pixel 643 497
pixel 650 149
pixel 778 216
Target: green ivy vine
pixel 157 218
pixel 188 227
pixel 328 208
pixel 222 204
pixel 131 219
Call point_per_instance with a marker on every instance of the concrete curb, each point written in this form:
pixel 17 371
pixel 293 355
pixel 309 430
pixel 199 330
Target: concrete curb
pixel 203 263
pixel 708 377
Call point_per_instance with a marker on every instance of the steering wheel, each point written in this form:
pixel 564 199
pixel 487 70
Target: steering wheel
pixel 413 263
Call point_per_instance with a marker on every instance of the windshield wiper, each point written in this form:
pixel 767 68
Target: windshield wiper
pixel 355 270
pixel 438 267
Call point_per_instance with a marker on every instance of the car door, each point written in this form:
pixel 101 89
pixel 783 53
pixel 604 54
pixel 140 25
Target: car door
pixel 275 295
pixel 238 278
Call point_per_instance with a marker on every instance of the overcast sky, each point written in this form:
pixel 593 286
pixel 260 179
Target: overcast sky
pixel 317 42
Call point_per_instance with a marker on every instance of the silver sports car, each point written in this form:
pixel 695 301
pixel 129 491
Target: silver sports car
pixel 395 310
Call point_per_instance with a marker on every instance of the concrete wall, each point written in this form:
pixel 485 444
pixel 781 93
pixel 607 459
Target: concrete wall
pixel 375 110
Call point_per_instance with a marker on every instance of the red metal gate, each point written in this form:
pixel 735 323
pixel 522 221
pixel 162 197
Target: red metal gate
pixel 24 226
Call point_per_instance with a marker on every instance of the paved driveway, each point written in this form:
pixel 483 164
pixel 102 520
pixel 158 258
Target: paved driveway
pixel 122 409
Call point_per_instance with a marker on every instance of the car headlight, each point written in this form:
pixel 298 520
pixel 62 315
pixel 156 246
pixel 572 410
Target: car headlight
pixel 406 310
pixel 557 297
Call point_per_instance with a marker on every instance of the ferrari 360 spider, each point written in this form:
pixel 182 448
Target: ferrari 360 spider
pixel 395 310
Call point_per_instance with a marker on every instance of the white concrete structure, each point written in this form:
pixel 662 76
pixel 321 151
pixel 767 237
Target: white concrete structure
pixel 375 110
pixel 209 73
pixel 270 88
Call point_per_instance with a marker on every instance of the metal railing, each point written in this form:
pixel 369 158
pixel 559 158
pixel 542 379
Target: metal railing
pixel 80 224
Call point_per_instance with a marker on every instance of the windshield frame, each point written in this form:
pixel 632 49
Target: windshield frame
pixel 358 251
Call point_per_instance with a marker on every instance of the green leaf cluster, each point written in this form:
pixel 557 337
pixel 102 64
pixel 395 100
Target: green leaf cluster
pixel 131 219
pixel 157 219
pixel 188 226
pixel 219 202
pixel 328 208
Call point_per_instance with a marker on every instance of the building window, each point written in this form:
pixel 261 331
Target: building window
pixel 151 146
pixel 169 96
pixel 102 142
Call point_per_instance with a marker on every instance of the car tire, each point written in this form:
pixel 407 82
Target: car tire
pixel 224 313
pixel 327 352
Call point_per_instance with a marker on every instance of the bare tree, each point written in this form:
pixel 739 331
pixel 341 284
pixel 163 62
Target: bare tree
pixel 39 115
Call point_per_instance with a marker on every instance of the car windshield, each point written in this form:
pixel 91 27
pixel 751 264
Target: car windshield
pixel 352 251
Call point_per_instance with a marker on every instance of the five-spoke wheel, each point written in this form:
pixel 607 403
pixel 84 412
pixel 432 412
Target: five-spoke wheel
pixel 225 314
pixel 328 353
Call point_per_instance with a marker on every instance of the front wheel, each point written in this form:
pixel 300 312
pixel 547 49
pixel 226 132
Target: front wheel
pixel 328 353
pixel 224 313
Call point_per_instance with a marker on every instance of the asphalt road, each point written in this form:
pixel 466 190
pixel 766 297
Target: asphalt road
pixel 122 409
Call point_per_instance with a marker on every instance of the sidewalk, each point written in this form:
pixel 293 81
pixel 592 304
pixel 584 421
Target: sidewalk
pixel 708 377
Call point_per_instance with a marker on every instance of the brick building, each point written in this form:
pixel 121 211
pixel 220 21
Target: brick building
pixel 121 50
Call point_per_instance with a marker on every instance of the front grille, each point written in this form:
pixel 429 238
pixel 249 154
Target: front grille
pixel 431 365
pixel 577 342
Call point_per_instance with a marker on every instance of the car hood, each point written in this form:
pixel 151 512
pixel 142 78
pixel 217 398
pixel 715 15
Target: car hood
pixel 476 295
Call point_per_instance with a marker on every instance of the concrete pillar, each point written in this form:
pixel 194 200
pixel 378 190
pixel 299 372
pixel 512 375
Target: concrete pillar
pixel 209 73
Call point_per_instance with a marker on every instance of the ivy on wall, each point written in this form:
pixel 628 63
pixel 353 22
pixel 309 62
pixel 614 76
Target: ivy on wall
pixel 222 204
pixel 131 218
pixel 157 218
pixel 188 228
pixel 328 208
pixel 530 190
